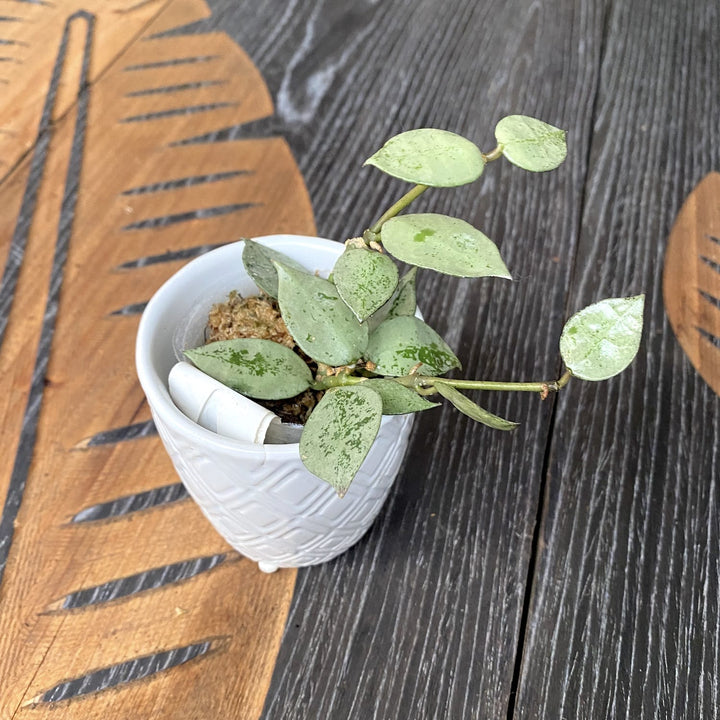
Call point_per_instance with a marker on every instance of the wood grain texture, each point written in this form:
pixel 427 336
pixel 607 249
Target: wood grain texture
pixel 457 604
pixel 422 618
pixel 624 621
pixel 117 597
pixel 691 279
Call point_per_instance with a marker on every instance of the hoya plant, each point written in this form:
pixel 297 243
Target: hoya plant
pixel 373 355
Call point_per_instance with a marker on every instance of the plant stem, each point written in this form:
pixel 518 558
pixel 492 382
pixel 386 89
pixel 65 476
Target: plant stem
pixel 338 380
pixel 501 386
pixel 401 204
pixel 425 381
pixel 493 154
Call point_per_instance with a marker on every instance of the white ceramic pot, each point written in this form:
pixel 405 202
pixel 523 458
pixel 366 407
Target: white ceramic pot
pixel 260 498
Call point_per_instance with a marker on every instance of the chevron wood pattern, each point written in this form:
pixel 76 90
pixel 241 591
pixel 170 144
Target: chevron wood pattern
pixel 691 278
pixel 117 598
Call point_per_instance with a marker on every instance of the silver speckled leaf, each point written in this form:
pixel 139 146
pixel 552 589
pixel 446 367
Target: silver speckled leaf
pixel 428 156
pixel 448 245
pixel 339 434
pixel 401 343
pixel 365 279
pixel 257 368
pixel 531 144
pixel 602 339
pixel 318 319
pixel 258 261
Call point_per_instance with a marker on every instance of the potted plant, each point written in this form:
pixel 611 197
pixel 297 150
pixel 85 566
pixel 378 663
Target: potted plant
pixel 345 331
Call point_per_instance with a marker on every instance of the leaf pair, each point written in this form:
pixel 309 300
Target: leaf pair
pixel 259 261
pixel 438 158
pixel 366 279
pixel 367 283
pixel 318 319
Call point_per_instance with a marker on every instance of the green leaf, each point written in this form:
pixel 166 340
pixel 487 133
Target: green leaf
pixel 318 319
pixel 469 408
pixel 398 399
pixel 448 245
pixel 257 368
pixel 258 261
pixel 402 302
pixel 339 434
pixel 531 144
pixel 602 339
pixel 430 157
pixel 400 343
pixel 365 279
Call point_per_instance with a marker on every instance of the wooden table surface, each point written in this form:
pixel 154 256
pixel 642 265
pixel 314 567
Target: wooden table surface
pixel 566 570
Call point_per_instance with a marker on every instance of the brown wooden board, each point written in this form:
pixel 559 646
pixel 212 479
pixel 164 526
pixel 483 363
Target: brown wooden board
pixel 624 621
pixel 691 278
pixel 117 597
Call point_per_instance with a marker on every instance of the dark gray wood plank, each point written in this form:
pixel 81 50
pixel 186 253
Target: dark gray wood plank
pixel 624 620
pixel 422 619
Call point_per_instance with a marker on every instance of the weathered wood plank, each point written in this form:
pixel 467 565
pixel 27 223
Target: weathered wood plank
pixel 422 619
pixel 624 621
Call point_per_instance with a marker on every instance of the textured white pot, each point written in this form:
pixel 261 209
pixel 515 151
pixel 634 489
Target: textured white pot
pixel 260 498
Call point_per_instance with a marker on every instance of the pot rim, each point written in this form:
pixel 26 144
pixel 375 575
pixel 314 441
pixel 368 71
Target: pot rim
pixel 155 387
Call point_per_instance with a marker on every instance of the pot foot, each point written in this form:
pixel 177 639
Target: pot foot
pixel 267 567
